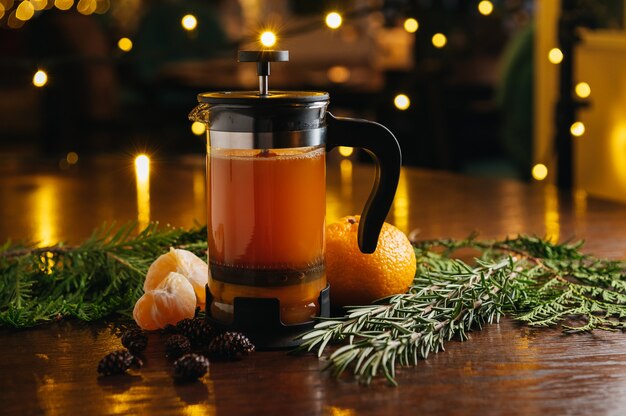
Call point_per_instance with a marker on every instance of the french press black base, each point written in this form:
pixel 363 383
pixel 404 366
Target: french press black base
pixel 259 320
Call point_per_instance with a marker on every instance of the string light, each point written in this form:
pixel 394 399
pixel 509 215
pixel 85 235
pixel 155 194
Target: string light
pixel 539 172
pixel 402 102
pixel 142 167
pixel 485 7
pixel 25 11
pixel 40 78
pixel 125 44
pixel 198 128
pixel 577 129
pixel 72 158
pixel 338 74
pixel 39 4
pixel 189 22
pixel 1 10
pixel 345 151
pixel 555 56
pixel 439 40
pixel 411 25
pixel 86 7
pixel 63 4
pixel 583 90
pixel 333 20
pixel 268 39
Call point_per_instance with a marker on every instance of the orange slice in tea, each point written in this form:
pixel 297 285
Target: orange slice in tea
pixel 171 301
pixel 183 262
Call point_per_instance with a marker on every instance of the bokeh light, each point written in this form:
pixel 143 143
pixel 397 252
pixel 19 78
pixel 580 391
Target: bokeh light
pixel 267 39
pixel 439 40
pixel 86 7
pixel 555 56
pixel 40 78
pixel 25 11
pixel 402 102
pixel 333 20
pixel 198 128
pixel 338 74
pixel 72 158
pixel 189 22
pixel 345 151
pixel 485 7
pixel 125 44
pixel 539 172
pixel 142 167
pixel 577 129
pixel 63 4
pixel 411 25
pixel 583 90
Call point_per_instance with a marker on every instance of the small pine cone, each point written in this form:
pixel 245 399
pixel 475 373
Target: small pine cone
pixel 230 346
pixel 118 362
pixel 191 367
pixel 198 330
pixel 176 346
pixel 135 340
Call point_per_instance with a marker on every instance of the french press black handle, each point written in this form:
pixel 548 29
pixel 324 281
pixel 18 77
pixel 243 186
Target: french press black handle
pixel 382 145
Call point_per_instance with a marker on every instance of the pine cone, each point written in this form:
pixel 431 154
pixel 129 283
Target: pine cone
pixel 191 367
pixel 135 340
pixel 230 346
pixel 198 330
pixel 118 362
pixel 177 346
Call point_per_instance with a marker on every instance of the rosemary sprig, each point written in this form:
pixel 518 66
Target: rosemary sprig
pixel 104 275
pixel 532 280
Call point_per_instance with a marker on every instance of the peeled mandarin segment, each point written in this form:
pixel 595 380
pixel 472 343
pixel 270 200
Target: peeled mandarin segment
pixel 171 301
pixel 195 269
pixel 183 262
pixel 159 270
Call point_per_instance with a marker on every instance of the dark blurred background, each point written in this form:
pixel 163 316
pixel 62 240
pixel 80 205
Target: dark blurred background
pixel 452 78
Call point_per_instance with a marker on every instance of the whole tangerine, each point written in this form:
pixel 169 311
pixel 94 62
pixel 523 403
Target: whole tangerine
pixel 358 279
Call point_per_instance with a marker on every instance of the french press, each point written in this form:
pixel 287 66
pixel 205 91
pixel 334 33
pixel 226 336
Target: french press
pixel 266 190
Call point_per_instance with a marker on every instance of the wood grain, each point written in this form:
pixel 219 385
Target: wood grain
pixel 504 369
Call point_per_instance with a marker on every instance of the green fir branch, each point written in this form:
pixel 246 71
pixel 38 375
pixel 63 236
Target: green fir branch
pixel 533 281
pixel 102 276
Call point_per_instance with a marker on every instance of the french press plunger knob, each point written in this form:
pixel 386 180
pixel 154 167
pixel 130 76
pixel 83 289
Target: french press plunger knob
pixel 263 59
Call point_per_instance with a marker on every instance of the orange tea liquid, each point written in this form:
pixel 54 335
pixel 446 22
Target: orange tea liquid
pixel 266 211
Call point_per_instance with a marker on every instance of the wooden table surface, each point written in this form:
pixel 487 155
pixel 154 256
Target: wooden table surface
pixel 504 369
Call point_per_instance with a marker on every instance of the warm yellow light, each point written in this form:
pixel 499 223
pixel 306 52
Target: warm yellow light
pixel 198 128
pixel 268 39
pixel 142 167
pixel 402 102
pixel 583 90
pixel 142 174
pixel 346 151
pixel 411 25
pixel 72 158
pixel 555 56
pixel 540 172
pixel 63 4
pixel 1 10
pixel 485 7
pixel 40 78
pixel 86 7
pixel 189 22
pixel 125 44
pixel 439 40
pixel 25 10
pixel 333 20
pixel 338 74
pixel 577 129
pixel 102 6
pixel 39 4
